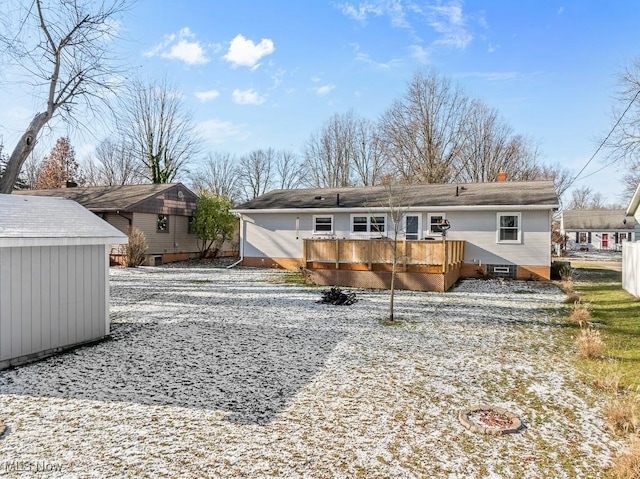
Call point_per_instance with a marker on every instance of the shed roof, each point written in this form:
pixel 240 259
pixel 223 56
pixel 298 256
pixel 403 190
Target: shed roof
pixel 596 220
pixel 107 198
pixel 38 221
pixel 530 193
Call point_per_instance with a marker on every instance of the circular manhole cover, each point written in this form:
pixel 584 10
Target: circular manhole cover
pixel 490 420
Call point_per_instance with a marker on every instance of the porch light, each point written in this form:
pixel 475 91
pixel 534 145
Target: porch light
pixel 444 227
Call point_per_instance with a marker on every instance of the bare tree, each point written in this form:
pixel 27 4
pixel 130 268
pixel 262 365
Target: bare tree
pixel 490 147
pixel 585 199
pixel 256 172
pixel 369 162
pixel 31 169
pixel 63 49
pixel 329 152
pixel 220 176
pixel 114 164
pixel 624 142
pixel 161 133
pixel 423 132
pixel 290 172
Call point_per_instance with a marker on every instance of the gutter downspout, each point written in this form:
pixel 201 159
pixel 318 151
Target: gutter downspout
pixel 241 245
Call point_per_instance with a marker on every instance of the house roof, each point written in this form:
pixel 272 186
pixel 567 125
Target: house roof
pixel 531 193
pixel 36 221
pixel 596 220
pixel 107 198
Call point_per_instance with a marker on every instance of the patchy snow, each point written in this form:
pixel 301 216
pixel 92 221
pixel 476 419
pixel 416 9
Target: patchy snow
pixel 230 373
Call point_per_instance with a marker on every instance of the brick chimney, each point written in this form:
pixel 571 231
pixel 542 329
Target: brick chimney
pixel 501 176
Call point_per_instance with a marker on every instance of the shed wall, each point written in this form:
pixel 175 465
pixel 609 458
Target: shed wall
pixel 51 297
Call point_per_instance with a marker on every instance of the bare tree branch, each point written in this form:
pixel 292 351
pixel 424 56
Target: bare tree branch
pixel 64 46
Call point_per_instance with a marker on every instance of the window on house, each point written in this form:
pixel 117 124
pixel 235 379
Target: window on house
pixel 509 227
pixel 323 224
pixel 368 224
pixel 378 224
pixel 359 224
pixel 412 227
pixel 190 225
pixel 163 224
pixel 583 238
pixel 435 222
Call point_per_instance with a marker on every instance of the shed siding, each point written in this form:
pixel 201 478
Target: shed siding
pixel 50 297
pixel 273 235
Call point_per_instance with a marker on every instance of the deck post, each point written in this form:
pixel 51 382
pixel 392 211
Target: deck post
pixel 337 253
pixel 369 252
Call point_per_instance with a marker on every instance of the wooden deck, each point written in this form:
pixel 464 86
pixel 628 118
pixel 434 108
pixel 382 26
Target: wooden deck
pixel 421 265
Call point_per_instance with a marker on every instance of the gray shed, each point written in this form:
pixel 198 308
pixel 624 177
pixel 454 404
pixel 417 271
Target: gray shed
pixel 54 276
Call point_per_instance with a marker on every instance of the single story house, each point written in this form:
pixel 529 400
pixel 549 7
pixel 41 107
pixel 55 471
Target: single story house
pixel 54 276
pixel 505 226
pixel 163 212
pixel 601 229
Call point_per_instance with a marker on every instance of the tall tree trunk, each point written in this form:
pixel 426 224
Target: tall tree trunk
pixel 21 152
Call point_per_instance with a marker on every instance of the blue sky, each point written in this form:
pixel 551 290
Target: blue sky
pixel 260 74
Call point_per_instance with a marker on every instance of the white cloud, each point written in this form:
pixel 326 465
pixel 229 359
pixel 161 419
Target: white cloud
pixel 394 9
pixel 243 52
pixel 180 46
pixel 218 131
pixel 207 95
pixel 247 97
pixel 323 90
pixel 419 53
pixel 449 21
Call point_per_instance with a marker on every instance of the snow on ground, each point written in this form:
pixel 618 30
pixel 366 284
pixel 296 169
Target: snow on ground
pixel 230 373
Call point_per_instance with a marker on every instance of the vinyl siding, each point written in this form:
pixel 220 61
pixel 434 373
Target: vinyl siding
pixel 273 235
pixel 176 240
pixel 51 297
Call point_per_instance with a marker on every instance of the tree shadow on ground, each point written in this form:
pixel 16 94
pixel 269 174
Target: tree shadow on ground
pixel 248 371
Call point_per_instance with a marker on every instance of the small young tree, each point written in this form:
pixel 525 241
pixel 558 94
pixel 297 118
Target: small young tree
pixel 213 224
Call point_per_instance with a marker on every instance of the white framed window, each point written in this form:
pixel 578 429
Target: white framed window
pixel 435 222
pixel 323 224
pixel 509 228
pixel 368 224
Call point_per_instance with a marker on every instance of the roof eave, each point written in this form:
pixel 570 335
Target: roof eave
pixel 382 209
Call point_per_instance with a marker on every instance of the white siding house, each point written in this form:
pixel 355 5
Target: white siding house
pixel 506 226
pixel 54 276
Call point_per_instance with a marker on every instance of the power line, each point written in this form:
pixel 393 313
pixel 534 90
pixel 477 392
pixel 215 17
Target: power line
pixel 603 142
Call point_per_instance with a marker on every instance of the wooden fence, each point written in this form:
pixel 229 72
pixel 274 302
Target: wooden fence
pixel 365 254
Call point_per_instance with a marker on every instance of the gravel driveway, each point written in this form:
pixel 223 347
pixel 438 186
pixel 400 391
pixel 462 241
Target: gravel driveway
pixel 230 373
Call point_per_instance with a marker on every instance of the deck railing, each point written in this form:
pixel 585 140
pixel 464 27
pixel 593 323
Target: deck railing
pixel 437 256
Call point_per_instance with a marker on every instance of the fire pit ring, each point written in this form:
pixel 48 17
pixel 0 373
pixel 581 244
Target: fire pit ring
pixel 492 420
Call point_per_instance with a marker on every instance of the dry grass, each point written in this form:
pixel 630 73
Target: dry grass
pixel 623 414
pixel 627 465
pixel 609 377
pixel 580 315
pixel 135 249
pixel 572 298
pixel 590 344
pixel 567 285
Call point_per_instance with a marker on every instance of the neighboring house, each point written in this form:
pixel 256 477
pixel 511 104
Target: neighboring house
pixel 54 276
pixel 505 226
pixel 601 229
pixel 163 212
